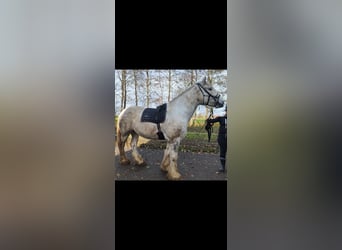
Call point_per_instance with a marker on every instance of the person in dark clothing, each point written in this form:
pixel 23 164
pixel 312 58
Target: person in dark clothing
pixel 222 138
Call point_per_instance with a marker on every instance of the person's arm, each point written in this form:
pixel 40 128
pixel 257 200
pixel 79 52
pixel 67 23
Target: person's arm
pixel 217 119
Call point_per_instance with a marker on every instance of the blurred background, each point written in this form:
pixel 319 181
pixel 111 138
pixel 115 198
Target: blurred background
pixel 56 107
pixel 284 143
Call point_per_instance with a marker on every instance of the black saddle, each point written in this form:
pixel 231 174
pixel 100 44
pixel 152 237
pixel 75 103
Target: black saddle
pixel 155 115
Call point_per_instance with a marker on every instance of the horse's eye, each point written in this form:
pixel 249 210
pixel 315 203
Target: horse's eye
pixel 210 88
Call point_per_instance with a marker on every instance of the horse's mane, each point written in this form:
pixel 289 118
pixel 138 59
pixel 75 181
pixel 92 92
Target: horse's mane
pixel 185 91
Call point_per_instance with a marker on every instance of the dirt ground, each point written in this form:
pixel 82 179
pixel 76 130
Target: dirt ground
pixel 192 166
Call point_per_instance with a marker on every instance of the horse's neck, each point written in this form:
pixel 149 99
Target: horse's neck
pixel 186 104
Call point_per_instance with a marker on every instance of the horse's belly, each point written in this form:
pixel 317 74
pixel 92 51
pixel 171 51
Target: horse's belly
pixel 146 129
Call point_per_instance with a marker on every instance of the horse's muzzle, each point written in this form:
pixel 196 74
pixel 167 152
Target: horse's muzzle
pixel 219 103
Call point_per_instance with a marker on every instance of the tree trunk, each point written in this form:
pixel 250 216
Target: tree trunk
pixel 121 98
pixel 193 119
pixel 194 80
pixel 123 89
pixel 161 88
pixel 209 76
pixel 147 88
pixel 135 87
pixel 169 90
pixel 192 76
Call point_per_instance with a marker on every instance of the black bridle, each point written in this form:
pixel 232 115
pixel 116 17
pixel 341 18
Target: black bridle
pixel 204 92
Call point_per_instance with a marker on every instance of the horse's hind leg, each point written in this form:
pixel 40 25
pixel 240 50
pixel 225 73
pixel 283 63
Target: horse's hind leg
pixel 137 157
pixel 121 144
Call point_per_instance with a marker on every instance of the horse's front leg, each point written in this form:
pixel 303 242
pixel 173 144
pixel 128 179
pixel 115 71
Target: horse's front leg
pixel 166 159
pixel 173 173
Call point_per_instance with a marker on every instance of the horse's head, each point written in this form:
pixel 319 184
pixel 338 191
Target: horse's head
pixel 211 96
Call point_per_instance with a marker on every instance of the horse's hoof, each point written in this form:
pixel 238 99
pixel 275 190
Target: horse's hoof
pixel 164 169
pixel 125 162
pixel 174 177
pixel 142 164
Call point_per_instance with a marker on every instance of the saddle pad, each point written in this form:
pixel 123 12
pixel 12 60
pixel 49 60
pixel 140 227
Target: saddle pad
pixel 155 115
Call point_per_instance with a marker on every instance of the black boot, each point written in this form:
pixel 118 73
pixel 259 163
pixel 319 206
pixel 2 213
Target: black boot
pixel 222 168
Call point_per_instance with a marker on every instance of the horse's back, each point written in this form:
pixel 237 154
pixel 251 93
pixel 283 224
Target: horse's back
pixel 129 116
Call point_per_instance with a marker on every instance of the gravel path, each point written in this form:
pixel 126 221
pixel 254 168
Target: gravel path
pixel 192 166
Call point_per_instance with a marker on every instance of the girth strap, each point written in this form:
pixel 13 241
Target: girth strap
pixel 160 133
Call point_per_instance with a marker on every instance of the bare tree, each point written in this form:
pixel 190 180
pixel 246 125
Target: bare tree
pixel 123 89
pixel 135 87
pixel 192 76
pixel 209 75
pixel 119 72
pixel 148 83
pixel 117 91
pixel 169 87
pixel 161 87
pixel 187 77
